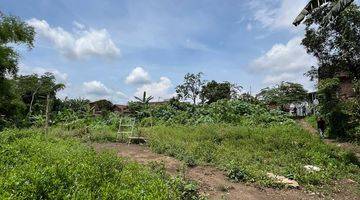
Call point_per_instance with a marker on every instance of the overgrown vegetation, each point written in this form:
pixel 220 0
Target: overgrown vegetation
pixel 38 166
pixel 336 45
pixel 248 153
pixel 222 111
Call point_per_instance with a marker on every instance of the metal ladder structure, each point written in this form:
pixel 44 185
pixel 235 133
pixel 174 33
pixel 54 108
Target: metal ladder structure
pixel 126 131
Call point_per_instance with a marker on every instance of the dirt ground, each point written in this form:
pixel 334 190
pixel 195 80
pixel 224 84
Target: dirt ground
pixel 211 181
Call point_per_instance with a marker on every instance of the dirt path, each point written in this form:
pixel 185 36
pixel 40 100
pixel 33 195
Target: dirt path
pixel 212 182
pixel 345 145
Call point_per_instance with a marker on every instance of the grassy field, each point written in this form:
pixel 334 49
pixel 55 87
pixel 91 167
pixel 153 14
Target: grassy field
pixel 35 166
pixel 249 153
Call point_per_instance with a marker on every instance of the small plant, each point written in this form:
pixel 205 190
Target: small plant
pixel 236 173
pixel 190 161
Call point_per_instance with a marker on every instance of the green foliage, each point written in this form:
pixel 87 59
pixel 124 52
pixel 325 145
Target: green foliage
pixel 333 110
pixel 214 91
pixel 248 153
pixel 33 90
pixel 312 120
pixel 144 99
pixel 35 166
pixel 12 31
pixel 191 87
pixel 235 173
pixel 222 111
pixel 283 94
pixel 336 45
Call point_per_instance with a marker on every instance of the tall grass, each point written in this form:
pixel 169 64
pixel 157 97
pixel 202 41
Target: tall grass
pixel 38 166
pixel 247 153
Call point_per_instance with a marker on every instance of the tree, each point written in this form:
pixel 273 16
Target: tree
pixel 336 45
pixel 283 94
pixel 144 99
pixel 13 31
pixel 214 91
pixel 191 87
pixel 33 90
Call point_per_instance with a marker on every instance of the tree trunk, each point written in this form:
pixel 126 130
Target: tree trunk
pixel 32 100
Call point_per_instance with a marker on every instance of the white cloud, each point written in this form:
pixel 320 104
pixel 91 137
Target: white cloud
pixel 278 13
pixel 95 90
pixel 290 57
pixel 275 79
pixel 159 90
pixel 285 62
pixel 79 25
pixel 60 76
pixel 195 45
pixel 81 44
pixel 138 76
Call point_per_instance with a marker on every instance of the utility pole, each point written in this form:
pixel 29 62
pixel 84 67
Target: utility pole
pixel 47 112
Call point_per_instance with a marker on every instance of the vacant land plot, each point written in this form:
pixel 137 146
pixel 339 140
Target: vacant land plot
pixel 249 153
pixel 37 166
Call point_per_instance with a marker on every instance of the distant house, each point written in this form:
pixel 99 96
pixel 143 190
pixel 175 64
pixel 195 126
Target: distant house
pixel 100 106
pixel 121 109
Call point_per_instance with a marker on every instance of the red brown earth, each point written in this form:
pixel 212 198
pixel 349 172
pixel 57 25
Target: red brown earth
pixel 211 181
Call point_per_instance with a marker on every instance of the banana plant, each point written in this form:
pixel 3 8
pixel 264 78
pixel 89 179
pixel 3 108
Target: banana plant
pixel 144 99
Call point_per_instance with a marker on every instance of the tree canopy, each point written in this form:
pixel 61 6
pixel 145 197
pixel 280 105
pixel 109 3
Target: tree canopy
pixel 284 93
pixel 214 91
pixel 13 31
pixel 191 87
pixel 337 44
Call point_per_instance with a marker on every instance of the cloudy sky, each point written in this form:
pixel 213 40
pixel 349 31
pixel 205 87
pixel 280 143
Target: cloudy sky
pixel 116 49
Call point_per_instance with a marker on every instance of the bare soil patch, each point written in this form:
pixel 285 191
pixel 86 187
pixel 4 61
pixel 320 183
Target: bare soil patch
pixel 212 181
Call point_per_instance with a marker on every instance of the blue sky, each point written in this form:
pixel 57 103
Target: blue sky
pixel 116 49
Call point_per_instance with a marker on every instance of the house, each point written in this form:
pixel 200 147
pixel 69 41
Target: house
pixel 121 109
pixel 100 106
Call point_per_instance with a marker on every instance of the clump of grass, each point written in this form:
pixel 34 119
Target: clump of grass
pixel 248 153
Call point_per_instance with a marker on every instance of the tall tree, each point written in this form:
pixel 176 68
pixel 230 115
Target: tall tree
pixel 214 91
pixel 34 89
pixel 335 45
pixel 191 87
pixel 12 31
pixel 284 93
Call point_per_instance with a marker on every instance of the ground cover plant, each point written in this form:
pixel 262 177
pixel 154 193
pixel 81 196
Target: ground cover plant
pixel 38 166
pixel 248 153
